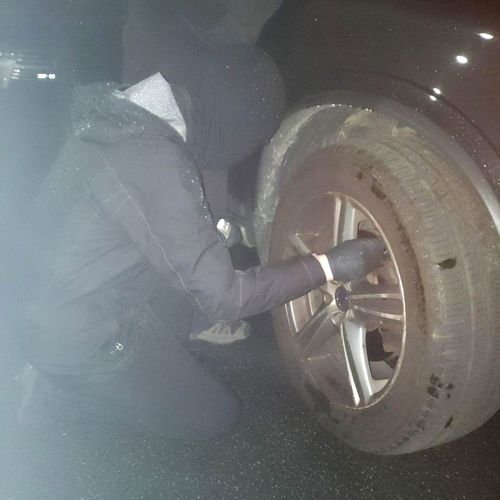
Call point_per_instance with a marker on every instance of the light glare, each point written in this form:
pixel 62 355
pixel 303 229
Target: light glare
pixel 461 59
pixel 432 97
pixel 46 76
pixel 436 90
pixel 486 36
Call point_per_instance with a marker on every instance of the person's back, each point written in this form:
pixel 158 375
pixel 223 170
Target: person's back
pixel 87 273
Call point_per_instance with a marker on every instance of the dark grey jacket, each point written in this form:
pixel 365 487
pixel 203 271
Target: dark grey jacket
pixel 122 208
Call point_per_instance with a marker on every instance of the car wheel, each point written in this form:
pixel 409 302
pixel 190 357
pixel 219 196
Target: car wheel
pixel 406 358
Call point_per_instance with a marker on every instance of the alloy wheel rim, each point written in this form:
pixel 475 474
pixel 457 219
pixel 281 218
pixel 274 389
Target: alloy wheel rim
pixel 349 337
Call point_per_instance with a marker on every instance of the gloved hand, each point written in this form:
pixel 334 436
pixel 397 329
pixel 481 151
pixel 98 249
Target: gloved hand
pixel 354 259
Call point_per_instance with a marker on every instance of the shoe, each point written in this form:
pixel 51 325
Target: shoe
pixel 223 333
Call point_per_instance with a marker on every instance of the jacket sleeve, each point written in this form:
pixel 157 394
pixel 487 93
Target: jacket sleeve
pixel 159 203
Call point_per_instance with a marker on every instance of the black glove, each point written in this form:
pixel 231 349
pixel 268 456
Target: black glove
pixel 354 259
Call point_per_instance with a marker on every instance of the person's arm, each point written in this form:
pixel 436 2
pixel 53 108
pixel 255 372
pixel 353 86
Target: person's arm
pixel 160 207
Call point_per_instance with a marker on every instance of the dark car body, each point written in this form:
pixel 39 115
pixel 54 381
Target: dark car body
pixel 434 63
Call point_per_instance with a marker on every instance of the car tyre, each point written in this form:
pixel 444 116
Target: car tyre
pixel 445 377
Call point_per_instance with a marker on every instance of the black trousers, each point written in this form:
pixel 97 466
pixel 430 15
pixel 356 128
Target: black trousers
pixel 164 389
pixel 158 388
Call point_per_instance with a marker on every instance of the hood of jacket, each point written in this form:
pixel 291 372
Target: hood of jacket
pixel 100 116
pixel 238 99
pixel 231 106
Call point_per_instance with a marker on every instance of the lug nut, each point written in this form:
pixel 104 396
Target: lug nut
pixel 327 298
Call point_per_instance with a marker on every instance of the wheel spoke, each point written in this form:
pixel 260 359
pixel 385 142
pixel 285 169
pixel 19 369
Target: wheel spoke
pixel 349 349
pixel 318 298
pixel 345 227
pixel 331 370
pixel 377 302
pixel 313 336
pixel 326 225
pixel 298 243
pixel 363 385
pixel 365 291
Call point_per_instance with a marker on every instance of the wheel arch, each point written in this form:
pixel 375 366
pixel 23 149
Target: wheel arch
pixel 342 111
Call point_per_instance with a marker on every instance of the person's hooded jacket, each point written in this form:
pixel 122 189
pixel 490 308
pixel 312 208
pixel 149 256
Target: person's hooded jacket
pixel 122 208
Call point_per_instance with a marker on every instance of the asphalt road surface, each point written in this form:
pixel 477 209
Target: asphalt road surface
pixel 278 451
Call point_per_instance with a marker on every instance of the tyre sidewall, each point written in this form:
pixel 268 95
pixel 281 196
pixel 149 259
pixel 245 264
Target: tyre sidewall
pixel 404 409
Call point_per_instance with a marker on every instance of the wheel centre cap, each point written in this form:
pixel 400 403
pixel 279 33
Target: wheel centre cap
pixel 342 298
